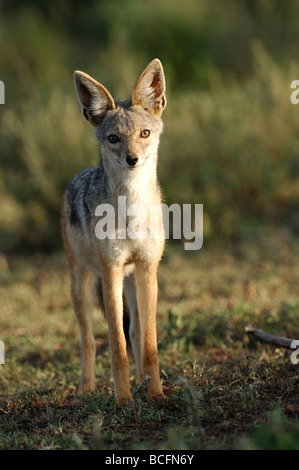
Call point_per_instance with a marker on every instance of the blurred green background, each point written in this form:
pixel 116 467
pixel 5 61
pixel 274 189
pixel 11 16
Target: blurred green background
pixel 231 139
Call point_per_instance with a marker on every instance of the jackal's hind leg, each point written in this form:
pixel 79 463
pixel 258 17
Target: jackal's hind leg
pixel 82 291
pixel 134 329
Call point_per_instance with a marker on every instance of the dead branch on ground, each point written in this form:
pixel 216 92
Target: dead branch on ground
pixel 265 337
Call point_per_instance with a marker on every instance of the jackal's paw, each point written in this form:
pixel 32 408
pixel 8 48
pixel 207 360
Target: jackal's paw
pixel 124 401
pixel 86 387
pixel 159 398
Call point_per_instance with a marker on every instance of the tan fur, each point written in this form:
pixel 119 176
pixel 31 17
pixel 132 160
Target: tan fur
pixel 128 265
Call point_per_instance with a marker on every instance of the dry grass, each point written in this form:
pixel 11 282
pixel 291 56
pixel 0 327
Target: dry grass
pixel 221 388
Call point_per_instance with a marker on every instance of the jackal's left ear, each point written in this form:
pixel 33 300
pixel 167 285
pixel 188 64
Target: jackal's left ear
pixel 149 91
pixel 93 97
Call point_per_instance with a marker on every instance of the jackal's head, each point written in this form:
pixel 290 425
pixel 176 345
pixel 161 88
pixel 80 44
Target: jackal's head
pixel 128 130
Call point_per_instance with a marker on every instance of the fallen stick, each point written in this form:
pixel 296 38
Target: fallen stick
pixel 269 338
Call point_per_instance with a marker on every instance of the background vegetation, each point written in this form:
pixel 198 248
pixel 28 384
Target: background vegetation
pixel 231 142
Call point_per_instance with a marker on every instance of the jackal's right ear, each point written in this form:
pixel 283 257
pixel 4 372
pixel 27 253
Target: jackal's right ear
pixel 93 97
pixel 149 90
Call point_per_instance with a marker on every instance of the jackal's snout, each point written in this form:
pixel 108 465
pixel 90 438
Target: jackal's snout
pixel 131 161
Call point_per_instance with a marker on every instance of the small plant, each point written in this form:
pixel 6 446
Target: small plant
pixel 279 434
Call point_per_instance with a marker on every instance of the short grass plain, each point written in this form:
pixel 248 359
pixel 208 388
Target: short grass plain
pixel 224 390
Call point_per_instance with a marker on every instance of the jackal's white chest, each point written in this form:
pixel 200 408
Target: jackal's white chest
pixel 136 232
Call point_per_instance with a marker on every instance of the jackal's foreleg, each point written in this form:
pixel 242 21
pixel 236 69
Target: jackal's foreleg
pixel 112 282
pixel 147 306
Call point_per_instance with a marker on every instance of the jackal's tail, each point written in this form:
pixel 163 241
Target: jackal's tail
pixel 126 313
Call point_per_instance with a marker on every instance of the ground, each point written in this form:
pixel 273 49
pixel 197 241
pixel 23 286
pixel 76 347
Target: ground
pixel 224 390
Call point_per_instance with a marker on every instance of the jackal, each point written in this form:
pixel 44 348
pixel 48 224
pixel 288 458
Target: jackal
pixel 128 132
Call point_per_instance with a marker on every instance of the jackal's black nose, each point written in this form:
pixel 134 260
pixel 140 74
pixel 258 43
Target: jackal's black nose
pixel 131 160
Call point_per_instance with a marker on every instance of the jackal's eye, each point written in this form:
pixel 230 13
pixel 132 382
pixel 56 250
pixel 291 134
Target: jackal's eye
pixel 145 133
pixel 113 139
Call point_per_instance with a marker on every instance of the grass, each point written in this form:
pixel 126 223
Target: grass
pixel 224 391
pixel 231 132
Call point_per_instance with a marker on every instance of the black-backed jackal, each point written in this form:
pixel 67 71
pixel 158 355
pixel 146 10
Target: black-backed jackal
pixel 128 132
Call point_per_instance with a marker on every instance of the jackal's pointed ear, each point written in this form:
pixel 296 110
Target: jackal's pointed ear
pixel 93 97
pixel 149 91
